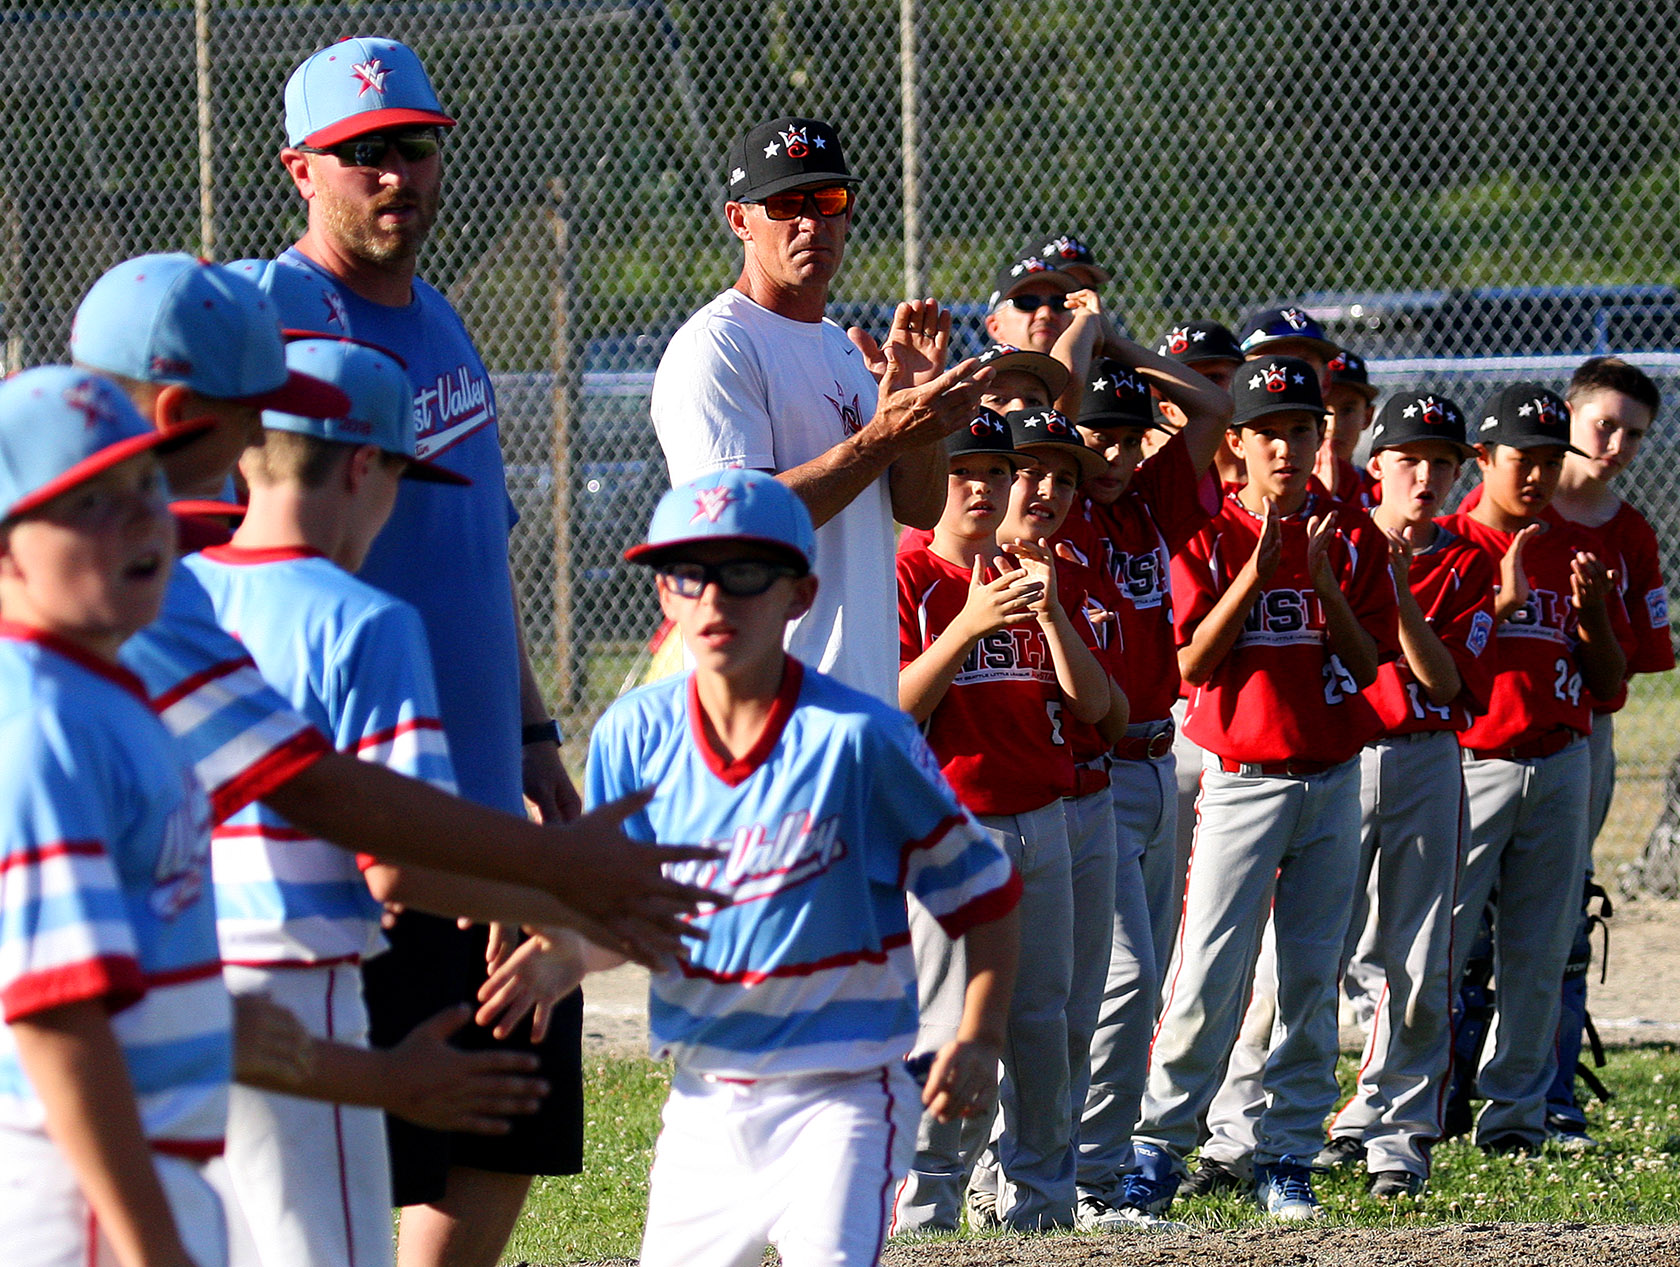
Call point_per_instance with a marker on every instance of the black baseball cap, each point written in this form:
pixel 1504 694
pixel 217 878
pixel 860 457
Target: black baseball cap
pixel 1272 325
pixel 1050 430
pixel 1347 369
pixel 1069 254
pixel 1199 341
pixel 783 154
pixel 1272 385
pixel 1525 416
pixel 1116 396
pixel 1041 365
pixel 1413 416
pixel 1017 273
pixel 987 433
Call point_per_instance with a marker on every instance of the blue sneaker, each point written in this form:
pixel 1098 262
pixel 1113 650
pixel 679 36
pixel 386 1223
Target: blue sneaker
pixel 1149 1189
pixel 1283 1189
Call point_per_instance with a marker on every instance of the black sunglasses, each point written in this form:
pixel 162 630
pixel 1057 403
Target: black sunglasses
pixel 1032 303
pixel 827 200
pixel 739 578
pixel 370 149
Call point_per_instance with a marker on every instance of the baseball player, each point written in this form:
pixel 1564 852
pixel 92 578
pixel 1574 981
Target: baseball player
pixel 1067 254
pixel 1129 522
pixel 1559 645
pixel 1284 589
pixel 1412 827
pixel 1348 405
pixel 116 1053
pixel 791 1116
pixel 1288 331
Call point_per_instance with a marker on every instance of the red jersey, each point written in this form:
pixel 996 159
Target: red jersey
pixel 1630 550
pixel 1537 684
pixel 1280 694
pixel 998 732
pixel 1453 582
pixel 1133 541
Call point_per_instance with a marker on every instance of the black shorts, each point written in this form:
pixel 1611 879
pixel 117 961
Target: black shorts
pixel 432 965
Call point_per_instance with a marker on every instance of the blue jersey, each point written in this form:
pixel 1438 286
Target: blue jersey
pixel 445 549
pixel 104 888
pixel 837 811
pixel 241 739
pixel 353 660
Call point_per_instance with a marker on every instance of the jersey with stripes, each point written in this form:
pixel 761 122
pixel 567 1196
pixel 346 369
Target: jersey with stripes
pixel 834 814
pixel 241 738
pixel 354 661
pixel 105 888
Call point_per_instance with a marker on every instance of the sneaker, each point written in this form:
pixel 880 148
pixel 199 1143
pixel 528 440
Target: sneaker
pixel 1147 1195
pixel 982 1210
pixel 1342 1150
pixel 1212 1177
pixel 1568 1135
pixel 1096 1215
pixel 1507 1145
pixel 1284 1190
pixel 1390 1184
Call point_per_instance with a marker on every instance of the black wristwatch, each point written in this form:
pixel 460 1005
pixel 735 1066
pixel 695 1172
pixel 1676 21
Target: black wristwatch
pixel 540 732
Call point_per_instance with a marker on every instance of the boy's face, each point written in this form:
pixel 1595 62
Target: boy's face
pixel 725 633
pixel 210 457
pixel 1041 495
pixel 1034 327
pixel 1122 449
pixel 1349 415
pixel 1016 389
pixel 91 565
pixel 1416 477
pixel 1219 373
pixel 1278 450
pixel 1608 426
pixel 1520 482
pixel 976 495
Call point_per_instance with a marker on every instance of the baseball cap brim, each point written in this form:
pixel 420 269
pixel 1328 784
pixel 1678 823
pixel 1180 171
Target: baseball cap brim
pixel 653 555
pixel 1091 463
pixel 1267 408
pixel 1118 421
pixel 304 395
pixel 1044 274
pixel 1094 274
pixel 1266 345
pixel 1533 441
pixel 112 455
pixel 376 121
pixel 431 473
pixel 1364 389
pixel 1041 365
pixel 796 180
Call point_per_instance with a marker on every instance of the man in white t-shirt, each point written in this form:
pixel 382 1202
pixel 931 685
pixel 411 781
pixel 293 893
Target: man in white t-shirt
pixel 758 378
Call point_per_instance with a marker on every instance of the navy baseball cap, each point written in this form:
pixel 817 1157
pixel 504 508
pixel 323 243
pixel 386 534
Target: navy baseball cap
pixel 1041 365
pixel 1525 416
pixel 1017 273
pixel 1347 369
pixel 303 301
pixel 1067 253
pixel 1199 341
pixel 1413 416
pixel 176 319
pixel 362 84
pixel 61 425
pixel 987 433
pixel 783 154
pixel 729 505
pixel 1116 396
pixel 1274 325
pixel 1050 431
pixel 1274 384
pixel 381 409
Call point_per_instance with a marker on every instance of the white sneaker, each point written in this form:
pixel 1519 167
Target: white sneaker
pixel 1096 1215
pixel 1284 1191
pixel 982 1210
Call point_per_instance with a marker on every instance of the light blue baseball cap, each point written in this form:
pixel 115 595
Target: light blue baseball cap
pixel 303 301
pixel 361 84
pixel 381 411
pixel 60 426
pixel 729 505
pixel 177 319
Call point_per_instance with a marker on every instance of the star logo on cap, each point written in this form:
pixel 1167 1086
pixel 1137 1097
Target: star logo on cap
pixel 1196 336
pixel 1099 384
pixel 1524 409
pixel 818 142
pixel 1300 378
pixel 86 399
pixel 710 503
pixel 1410 411
pixel 772 149
pixel 372 74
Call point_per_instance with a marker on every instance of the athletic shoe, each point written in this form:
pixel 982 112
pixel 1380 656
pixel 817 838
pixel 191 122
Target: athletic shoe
pixel 1390 1184
pixel 1342 1150
pixel 1508 1145
pixel 1096 1215
pixel 1212 1177
pixel 1284 1190
pixel 982 1210
pixel 1150 1187
pixel 1568 1135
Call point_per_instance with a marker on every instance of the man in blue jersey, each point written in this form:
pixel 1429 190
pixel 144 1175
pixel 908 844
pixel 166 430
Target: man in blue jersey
pixel 792 1118
pixel 364 132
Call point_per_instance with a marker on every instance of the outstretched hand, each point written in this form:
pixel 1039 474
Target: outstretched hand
pixel 920 337
pixel 436 1085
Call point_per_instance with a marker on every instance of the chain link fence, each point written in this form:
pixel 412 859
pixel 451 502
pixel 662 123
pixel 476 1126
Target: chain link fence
pixel 1439 183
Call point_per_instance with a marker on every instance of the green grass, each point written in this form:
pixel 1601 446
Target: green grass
pixel 1631 1179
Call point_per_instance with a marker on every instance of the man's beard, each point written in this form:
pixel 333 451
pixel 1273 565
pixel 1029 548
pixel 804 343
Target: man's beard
pixel 357 231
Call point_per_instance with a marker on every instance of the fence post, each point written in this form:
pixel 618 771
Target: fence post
pixel 566 652
pixel 206 140
pixel 910 150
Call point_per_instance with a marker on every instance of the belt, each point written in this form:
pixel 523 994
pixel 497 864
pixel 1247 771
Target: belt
pixel 1553 741
pixel 1152 744
pixel 1090 777
pixel 1275 769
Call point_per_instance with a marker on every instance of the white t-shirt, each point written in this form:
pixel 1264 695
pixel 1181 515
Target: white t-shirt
pixel 741 386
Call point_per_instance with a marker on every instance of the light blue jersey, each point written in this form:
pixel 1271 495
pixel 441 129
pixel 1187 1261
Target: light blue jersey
pixel 104 888
pixel 837 812
pixel 353 661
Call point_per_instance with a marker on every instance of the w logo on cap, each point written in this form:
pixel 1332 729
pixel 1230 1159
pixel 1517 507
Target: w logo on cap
pixel 1295 317
pixel 797 142
pixel 371 74
pixel 1276 379
pixel 1178 340
pixel 1433 415
pixel 710 503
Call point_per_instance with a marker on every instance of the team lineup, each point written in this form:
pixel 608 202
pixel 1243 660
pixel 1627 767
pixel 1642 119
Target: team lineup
pixel 1196 734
